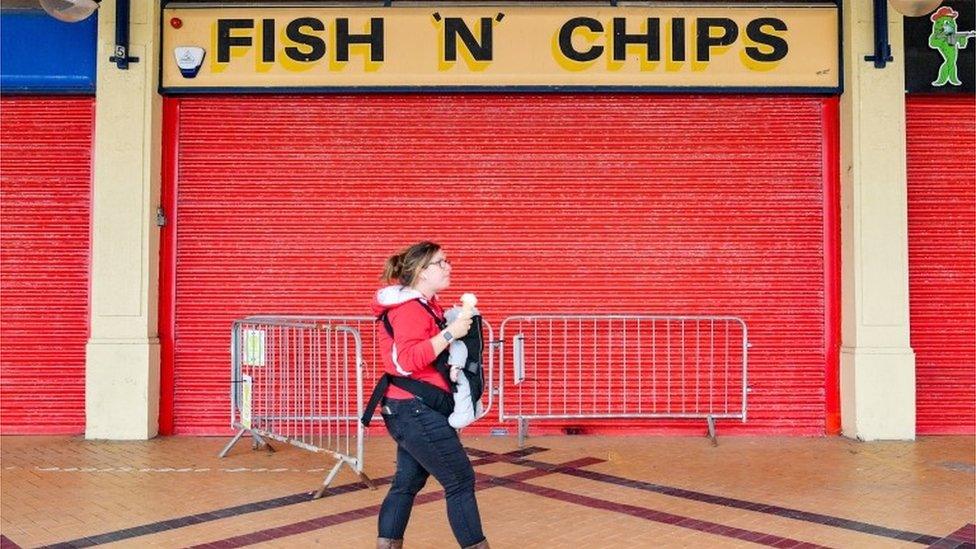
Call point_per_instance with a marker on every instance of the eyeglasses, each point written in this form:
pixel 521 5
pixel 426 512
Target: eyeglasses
pixel 442 263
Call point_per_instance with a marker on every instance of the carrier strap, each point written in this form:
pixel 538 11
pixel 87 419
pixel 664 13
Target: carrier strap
pixel 385 318
pixel 432 396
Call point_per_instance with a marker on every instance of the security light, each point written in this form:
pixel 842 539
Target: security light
pixel 915 8
pixel 69 11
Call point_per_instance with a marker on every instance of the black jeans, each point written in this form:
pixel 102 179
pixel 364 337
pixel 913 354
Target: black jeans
pixel 427 445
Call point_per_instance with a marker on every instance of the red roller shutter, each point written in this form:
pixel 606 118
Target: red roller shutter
pixel 545 203
pixel 942 260
pixel 45 211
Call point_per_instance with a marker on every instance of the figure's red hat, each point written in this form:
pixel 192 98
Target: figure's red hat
pixel 944 11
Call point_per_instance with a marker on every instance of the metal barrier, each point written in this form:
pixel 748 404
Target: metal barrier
pixel 299 381
pixel 368 330
pixel 623 366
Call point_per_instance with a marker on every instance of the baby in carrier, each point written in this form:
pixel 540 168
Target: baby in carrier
pixel 465 360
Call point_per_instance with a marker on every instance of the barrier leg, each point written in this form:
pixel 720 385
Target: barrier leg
pixel 711 429
pixel 366 480
pixel 233 441
pixel 523 431
pixel 257 441
pixel 328 480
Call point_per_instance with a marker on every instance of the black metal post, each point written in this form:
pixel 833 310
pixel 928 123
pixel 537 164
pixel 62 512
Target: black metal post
pixel 882 49
pixel 121 57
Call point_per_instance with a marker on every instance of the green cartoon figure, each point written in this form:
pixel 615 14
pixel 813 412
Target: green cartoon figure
pixel 948 41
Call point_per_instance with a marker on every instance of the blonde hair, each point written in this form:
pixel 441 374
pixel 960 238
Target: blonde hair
pixel 404 266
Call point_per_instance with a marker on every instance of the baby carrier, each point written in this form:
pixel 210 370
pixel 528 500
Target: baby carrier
pixel 431 395
pixel 466 356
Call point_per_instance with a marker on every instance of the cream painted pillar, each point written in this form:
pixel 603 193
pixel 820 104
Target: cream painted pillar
pixel 122 373
pixel 877 369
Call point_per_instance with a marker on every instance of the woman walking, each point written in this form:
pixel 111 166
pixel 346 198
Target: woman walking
pixel 416 395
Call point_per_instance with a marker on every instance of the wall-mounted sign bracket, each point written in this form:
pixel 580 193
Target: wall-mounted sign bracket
pixel 882 49
pixel 121 57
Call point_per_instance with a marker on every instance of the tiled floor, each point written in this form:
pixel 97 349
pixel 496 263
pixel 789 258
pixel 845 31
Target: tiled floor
pixel 572 491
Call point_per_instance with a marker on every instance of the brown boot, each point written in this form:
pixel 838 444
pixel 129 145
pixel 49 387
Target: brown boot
pixel 483 544
pixel 387 543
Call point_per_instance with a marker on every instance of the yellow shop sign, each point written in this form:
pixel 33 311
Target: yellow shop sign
pixel 268 48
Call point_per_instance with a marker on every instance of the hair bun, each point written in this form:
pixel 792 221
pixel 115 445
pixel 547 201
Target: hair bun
pixel 403 266
pixel 399 262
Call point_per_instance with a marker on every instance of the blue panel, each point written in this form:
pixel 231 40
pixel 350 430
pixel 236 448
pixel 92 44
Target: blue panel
pixel 39 54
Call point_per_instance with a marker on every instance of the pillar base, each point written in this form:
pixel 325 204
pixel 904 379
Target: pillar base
pixel 877 386
pixel 122 389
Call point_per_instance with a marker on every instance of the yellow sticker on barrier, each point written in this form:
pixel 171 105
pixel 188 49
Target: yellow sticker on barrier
pixel 246 401
pixel 254 347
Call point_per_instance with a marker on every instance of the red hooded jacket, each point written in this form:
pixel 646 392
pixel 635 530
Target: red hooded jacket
pixel 409 353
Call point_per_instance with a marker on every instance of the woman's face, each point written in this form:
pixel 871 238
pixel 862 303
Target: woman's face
pixel 436 275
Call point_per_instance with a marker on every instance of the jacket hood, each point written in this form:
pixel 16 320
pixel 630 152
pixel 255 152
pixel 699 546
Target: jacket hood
pixel 393 296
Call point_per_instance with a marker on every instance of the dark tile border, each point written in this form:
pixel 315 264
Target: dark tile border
pixel 516 481
pixel 963 538
pixel 785 512
pixel 180 522
pixel 190 520
pixel 356 514
pixel 658 516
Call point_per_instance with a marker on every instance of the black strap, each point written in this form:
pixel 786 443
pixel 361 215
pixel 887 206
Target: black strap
pixel 432 396
pixel 441 323
pixel 374 399
pixel 384 317
pixel 473 369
